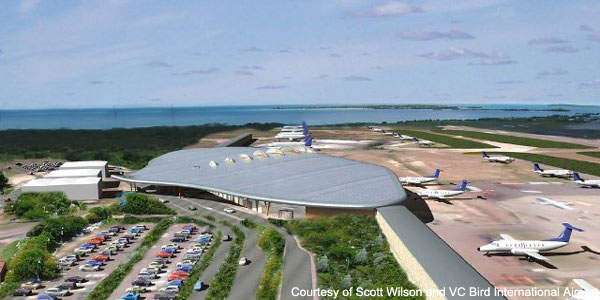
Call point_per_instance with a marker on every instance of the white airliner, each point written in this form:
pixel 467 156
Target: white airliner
pixel 559 204
pixel 406 137
pixel 306 143
pixel 585 182
pixel 497 158
pixel 423 143
pixel 375 129
pixel 587 292
pixel 420 180
pixel 552 173
pixel 294 135
pixel 529 248
pixel 443 194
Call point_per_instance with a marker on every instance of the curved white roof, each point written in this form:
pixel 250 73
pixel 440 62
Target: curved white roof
pixel 309 179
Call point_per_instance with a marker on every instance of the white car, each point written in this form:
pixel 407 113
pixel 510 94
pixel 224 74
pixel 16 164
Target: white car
pixel 170 289
pixel 88 268
pixel 163 200
pixel 149 271
pixel 56 292
pixel 82 250
pixel 229 210
pixel 243 261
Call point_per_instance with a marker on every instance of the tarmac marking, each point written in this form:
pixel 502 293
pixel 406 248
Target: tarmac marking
pixel 539 182
pixel 532 192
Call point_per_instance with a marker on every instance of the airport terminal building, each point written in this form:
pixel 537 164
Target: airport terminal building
pixel 257 177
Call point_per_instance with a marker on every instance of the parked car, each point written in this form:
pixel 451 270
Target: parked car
pixel 243 261
pixel 150 270
pixel 226 238
pixel 89 268
pixel 22 292
pixel 93 263
pixel 177 283
pixel 101 257
pixel 32 284
pixel 162 260
pixel 67 286
pixel 45 297
pixel 156 265
pixel 137 289
pixel 161 200
pixel 76 279
pixel 178 240
pixel 131 296
pixel 169 250
pixel 164 254
pixel 147 276
pixel 185 268
pixel 141 282
pixel 199 285
pixel 229 210
pixel 164 296
pixel 56 292
pixel 180 273
pixel 192 208
pixel 169 289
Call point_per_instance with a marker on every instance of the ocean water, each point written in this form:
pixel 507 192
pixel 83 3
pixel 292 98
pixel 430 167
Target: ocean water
pixel 180 116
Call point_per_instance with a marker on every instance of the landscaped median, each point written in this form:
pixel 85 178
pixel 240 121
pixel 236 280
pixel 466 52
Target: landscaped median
pixel 590 154
pixel 221 284
pixel 511 139
pixel 272 243
pixel 586 167
pixel 451 142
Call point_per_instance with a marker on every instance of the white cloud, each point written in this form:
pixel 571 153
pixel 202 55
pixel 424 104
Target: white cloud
pixel 393 8
pixel 453 54
pixel 435 35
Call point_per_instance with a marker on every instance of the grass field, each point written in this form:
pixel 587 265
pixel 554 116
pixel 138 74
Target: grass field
pixel 565 163
pixel 590 154
pixel 517 140
pixel 446 140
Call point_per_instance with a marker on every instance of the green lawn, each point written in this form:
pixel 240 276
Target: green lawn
pixel 451 142
pixel 591 154
pixel 565 163
pixel 514 139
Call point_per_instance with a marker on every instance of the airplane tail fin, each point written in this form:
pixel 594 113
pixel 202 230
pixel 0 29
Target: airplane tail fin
pixel 577 178
pixel 485 155
pixel 565 235
pixel 536 167
pixel 462 186
pixel 435 174
pixel 308 141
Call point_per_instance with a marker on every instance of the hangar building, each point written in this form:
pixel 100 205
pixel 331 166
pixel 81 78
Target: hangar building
pixel 91 164
pixel 75 188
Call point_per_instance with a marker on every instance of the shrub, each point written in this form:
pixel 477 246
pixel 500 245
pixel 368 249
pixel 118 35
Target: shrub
pixel 323 264
pixel 97 214
pixel 3 182
pixel 272 243
pixel 139 204
pixel 248 223
pixel 35 206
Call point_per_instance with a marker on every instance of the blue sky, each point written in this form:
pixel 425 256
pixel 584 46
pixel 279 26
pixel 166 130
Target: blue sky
pixel 74 54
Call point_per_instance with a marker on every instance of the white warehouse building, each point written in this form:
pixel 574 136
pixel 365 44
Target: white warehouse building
pixel 90 164
pixel 75 188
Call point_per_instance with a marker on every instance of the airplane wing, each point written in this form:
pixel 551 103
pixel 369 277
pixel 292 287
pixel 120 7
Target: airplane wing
pixel 505 236
pixel 535 255
pixel 585 285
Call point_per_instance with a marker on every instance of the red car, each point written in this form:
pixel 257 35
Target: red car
pixel 164 254
pixel 176 278
pixel 101 258
pixel 179 273
pixel 95 242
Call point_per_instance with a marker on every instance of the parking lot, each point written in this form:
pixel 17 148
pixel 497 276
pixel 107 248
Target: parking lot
pixel 91 277
pixel 160 279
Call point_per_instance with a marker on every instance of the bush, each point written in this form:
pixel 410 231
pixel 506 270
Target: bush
pixel 97 214
pixel 34 206
pixel 58 229
pixel 139 204
pixel 248 223
pixel 3 182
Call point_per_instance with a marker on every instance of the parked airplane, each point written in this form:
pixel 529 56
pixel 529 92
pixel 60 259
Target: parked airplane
pixel 423 143
pixel 587 292
pixel 406 137
pixel 529 248
pixel 295 135
pixel 443 194
pixel 552 173
pixel 497 158
pixel 307 143
pixel 375 129
pixel 420 180
pixel 559 204
pixel 585 182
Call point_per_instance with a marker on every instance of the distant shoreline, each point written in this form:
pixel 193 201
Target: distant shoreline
pixel 415 106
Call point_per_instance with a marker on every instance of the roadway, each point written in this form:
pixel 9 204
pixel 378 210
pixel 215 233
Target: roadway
pixel 296 261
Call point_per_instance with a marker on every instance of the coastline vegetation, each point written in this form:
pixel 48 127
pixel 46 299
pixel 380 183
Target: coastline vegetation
pixel 131 148
pixel 511 139
pixel 350 252
pixel 451 142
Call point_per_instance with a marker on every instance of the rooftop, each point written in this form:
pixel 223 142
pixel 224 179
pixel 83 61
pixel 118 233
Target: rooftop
pixel 74 173
pixel 84 164
pixel 62 181
pixel 288 176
